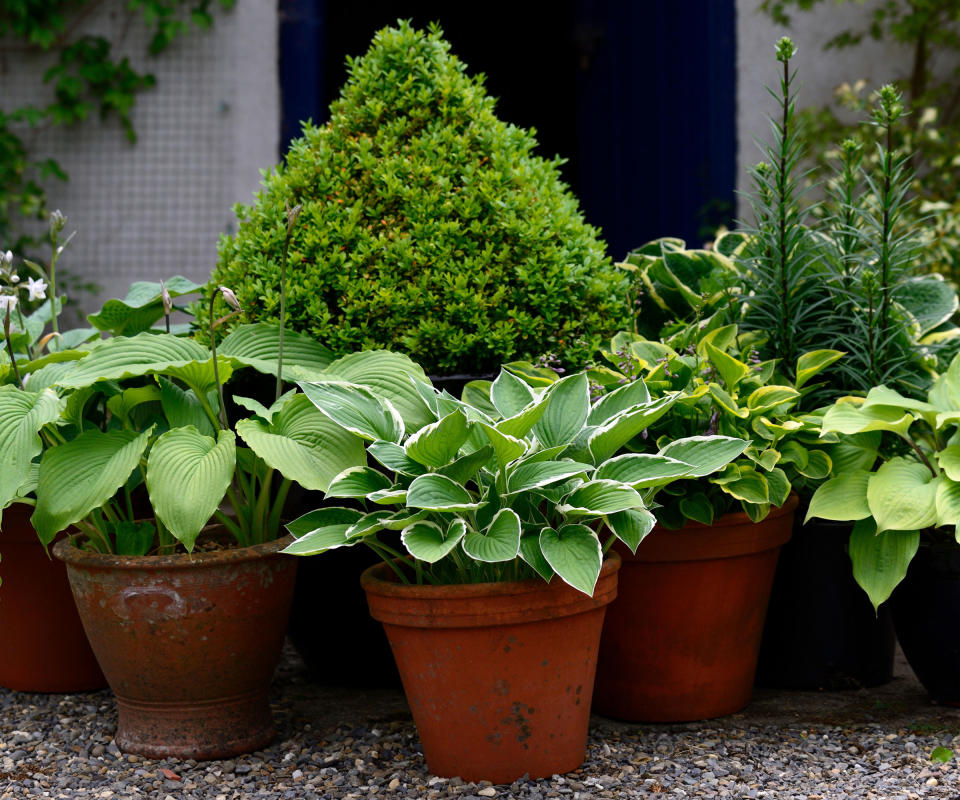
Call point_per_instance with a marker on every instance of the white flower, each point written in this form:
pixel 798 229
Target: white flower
pixel 8 302
pixel 14 278
pixel 37 288
pixel 7 258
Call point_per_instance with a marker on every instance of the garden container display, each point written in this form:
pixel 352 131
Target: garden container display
pixel 681 641
pixel 188 643
pixel 42 644
pixel 498 675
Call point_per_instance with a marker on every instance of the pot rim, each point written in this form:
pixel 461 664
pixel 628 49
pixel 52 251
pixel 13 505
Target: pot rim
pixel 67 552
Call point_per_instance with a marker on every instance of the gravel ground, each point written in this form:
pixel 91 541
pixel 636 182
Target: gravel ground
pixel 350 744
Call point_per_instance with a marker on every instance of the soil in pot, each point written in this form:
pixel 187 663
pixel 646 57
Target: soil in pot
pixel 188 643
pixel 680 642
pixel 821 631
pixel 498 675
pixel 42 644
pixel 926 614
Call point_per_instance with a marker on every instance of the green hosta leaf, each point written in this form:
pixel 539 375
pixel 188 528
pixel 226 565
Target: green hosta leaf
pixel 847 417
pixel 772 430
pixel 722 338
pixel 83 474
pixel 642 470
pixel 542 473
pixel 929 298
pixel 818 466
pixel 607 407
pixel 427 541
pixel 510 394
pixel 811 364
pixel 520 424
pixel 568 403
pixel 842 498
pixel 394 457
pixel 705 454
pixel 778 487
pixel 303 444
pixel 697 508
pixel 948 460
pixel 392 376
pixel 357 409
pixel 598 497
pixel 477 394
pixel 530 552
pixel 767 459
pixel 882 397
pixel 357 482
pixel 439 493
pixel 507 448
pixel 200 375
pixel 188 474
pixel 902 496
pixel 322 530
pixel 726 402
pixel 856 452
pixel 133 538
pixel 750 487
pixel 141 308
pixel 120 405
pixel 182 407
pixel 574 553
pixel 792 452
pixel 22 415
pixel 499 542
pixel 880 561
pixel 731 370
pixel 948 502
pixel 768 397
pixel 631 526
pixel 258 346
pixel 613 435
pixel 466 467
pixel 143 354
pixel 534 376
pixel 438 443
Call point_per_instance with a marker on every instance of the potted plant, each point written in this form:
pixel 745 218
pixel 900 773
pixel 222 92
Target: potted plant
pixel 901 488
pixel 493 598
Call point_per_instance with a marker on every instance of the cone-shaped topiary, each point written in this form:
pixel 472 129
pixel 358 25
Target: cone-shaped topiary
pixel 428 226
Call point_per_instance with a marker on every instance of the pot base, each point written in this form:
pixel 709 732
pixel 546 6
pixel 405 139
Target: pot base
pixel 218 728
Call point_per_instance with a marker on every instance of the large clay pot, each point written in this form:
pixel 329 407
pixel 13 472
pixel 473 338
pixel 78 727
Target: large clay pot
pixel 821 630
pixel 42 644
pixel 926 613
pixel 188 643
pixel 498 675
pixel 680 642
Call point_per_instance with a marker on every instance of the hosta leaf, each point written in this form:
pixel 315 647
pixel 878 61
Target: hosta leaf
pixel 697 507
pixel 394 457
pixel 83 474
pixel 811 364
pixel 257 345
pixel 391 496
pixel 750 487
pixel 507 448
pixel 598 497
pixel 948 460
pixel 530 552
pixel 730 369
pixel 322 530
pixel 509 394
pixel 323 517
pixel 182 407
pixel 610 437
pixel 902 496
pixel 357 482
pixel 499 542
pixel 427 541
pixel 477 394
pixel 705 454
pixel 120 405
pixel 466 467
pixel 187 476
pixel 574 553
pixel 568 403
pixel 778 486
pixel 439 493
pixel 303 444
pixel 642 470
pixel 818 466
pixel 520 424
pixel 22 415
pixel 631 526
pixel 438 443
pixel 846 417
pixel 769 397
pixel 880 561
pixel 357 409
pixel 948 501
pixel 856 452
pixel 842 498
pixel 607 407
pixel 542 473
pixel 367 524
pixel 141 308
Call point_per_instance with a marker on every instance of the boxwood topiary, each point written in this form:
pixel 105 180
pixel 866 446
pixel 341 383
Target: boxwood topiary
pixel 428 226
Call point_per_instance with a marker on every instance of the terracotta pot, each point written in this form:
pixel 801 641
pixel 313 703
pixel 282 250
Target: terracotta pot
pixel 681 641
pixel 498 675
pixel 188 643
pixel 42 644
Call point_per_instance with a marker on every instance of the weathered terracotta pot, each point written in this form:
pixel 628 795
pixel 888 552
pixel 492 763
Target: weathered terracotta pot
pixel 681 641
pixel 498 675
pixel 42 644
pixel 188 643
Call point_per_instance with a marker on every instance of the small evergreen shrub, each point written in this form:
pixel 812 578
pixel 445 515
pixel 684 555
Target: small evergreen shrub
pixel 428 226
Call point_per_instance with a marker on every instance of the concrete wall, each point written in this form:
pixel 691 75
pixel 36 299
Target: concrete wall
pixel 157 208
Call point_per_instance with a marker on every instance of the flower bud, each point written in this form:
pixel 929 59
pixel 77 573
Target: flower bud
pixel 230 297
pixel 165 297
pixel 57 222
pixel 292 214
pixel 786 49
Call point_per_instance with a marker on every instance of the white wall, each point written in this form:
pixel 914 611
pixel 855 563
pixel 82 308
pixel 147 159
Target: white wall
pixel 156 208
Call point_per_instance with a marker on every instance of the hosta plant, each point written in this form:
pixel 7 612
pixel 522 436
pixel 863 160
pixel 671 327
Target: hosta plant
pixel 900 477
pixel 526 481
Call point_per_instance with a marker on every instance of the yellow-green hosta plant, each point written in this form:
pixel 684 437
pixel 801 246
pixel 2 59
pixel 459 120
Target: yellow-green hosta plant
pixel 901 477
pixel 513 486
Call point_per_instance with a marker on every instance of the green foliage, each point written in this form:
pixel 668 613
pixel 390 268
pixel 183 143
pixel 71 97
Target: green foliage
pixel 87 77
pixel 428 226
pixel 511 490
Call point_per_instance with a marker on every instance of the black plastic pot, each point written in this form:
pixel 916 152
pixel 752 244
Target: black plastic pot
pixel 821 631
pixel 926 612
pixel 454 383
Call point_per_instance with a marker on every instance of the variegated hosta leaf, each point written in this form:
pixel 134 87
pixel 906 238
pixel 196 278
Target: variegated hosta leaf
pixel 303 444
pixel 427 541
pixel 188 474
pixel 599 497
pixel 395 458
pixel 568 405
pixel 614 434
pixel 631 526
pixel 437 444
pixel 499 542
pixel 83 474
pixel 507 448
pixel 434 492
pixel 22 415
pixel 357 409
pixel 630 395
pixel 530 552
pixel 510 394
pixel 535 474
pixel 321 530
pixel 574 553
pixel 357 482
pixel 642 470
pixel 707 454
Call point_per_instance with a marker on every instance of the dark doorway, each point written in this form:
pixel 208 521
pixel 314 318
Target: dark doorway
pixel 638 97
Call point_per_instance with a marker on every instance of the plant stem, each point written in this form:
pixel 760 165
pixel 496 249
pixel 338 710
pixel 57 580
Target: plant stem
pixel 216 371
pixel 13 358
